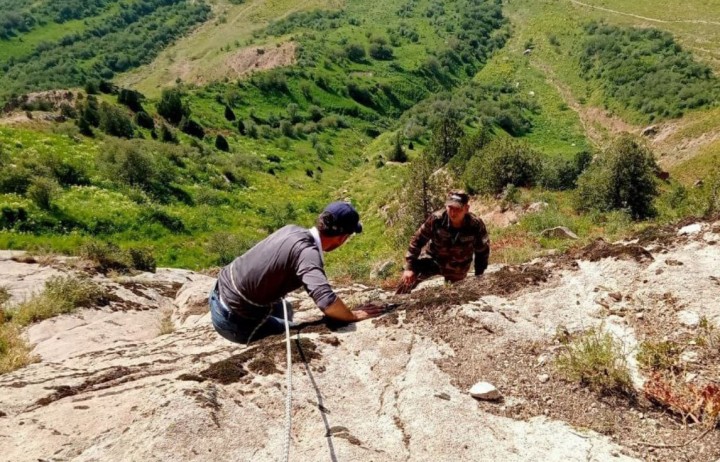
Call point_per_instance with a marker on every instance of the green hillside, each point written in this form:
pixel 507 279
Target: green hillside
pixel 195 128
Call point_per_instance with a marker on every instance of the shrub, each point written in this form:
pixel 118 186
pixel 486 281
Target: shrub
pixel 105 256
pixel 659 356
pixel 115 122
pixel 355 52
pixel 192 128
pixel 14 351
pixel 171 106
pixel 596 360
pixel 501 163
pixel 221 143
pixel 225 247
pixel 131 98
pixel 229 114
pixel 622 177
pixel 381 52
pixel 42 192
pixel 142 259
pixel 144 120
pixel 62 294
pixel 398 153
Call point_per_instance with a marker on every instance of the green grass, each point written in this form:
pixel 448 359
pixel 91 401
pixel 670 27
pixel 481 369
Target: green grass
pixel 595 359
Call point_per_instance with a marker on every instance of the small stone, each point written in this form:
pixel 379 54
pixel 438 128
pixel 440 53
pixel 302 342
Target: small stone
pixel 689 356
pixel 690 229
pixel 640 316
pixel 2 414
pixel 617 296
pixel 543 378
pixel 689 319
pixel 444 396
pixel 485 391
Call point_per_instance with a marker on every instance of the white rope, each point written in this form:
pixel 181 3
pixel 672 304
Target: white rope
pixel 288 402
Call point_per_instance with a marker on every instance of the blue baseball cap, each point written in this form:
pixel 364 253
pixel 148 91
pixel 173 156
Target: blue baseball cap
pixel 346 220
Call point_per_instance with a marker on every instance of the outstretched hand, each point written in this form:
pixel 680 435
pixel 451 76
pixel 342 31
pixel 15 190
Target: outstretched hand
pixel 367 311
pixel 407 281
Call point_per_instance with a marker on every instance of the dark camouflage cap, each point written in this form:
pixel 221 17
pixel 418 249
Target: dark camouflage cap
pixel 457 198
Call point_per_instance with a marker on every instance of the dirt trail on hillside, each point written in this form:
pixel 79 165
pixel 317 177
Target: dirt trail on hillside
pixel 645 18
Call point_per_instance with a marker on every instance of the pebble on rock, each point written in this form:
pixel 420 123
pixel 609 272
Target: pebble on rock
pixel 485 391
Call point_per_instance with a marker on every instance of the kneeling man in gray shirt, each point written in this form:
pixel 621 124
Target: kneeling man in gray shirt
pixel 247 302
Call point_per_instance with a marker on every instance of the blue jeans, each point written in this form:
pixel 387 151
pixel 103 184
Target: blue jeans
pixel 237 328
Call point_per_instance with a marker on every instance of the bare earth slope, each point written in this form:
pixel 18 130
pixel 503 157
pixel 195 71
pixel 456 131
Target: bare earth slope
pixel 391 389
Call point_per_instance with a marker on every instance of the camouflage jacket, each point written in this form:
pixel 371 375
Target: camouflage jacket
pixel 451 248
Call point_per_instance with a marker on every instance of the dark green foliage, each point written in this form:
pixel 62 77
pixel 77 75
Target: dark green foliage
pixel 225 247
pixel 167 135
pixel 241 127
pixel 42 192
pixel 646 71
pixel 229 114
pixel 445 141
pixel 316 20
pixel 221 143
pixel 124 39
pixel 88 115
pixel 621 178
pixel 131 98
pixel 115 122
pixel 501 163
pixel 398 153
pixel 277 216
pixel 14 179
pixel 142 164
pixel 108 256
pixel 381 52
pixel 171 106
pixel 355 52
pixel 170 222
pixel 192 128
pixel 144 120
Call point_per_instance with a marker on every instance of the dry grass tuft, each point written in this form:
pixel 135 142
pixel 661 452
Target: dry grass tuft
pixel 596 360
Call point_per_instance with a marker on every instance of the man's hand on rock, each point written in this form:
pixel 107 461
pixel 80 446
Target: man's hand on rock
pixel 367 311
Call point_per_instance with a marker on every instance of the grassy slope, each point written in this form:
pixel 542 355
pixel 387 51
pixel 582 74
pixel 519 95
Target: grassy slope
pixel 200 57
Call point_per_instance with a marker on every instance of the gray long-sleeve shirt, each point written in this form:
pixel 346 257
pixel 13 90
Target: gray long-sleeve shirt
pixel 284 261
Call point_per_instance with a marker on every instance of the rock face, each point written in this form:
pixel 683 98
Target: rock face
pixel 394 388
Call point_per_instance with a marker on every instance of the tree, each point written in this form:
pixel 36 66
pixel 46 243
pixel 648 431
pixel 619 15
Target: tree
pixel 229 114
pixel 381 52
pixel 623 177
pixel 398 153
pixel 422 193
pixel 144 120
pixel 221 143
pixel 355 52
pixel 191 127
pixel 241 127
pixel 89 116
pixel 501 163
pixel 115 122
pixel 445 140
pixel 171 106
pixel 131 99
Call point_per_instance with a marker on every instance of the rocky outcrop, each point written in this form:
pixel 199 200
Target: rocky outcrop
pixel 394 388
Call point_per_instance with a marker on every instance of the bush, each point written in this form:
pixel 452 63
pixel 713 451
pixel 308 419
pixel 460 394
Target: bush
pixel 621 178
pixel 225 247
pixel 229 114
pixel 221 143
pixel 142 259
pixel 115 122
pixel 381 52
pixel 501 163
pixel 131 98
pixel 171 106
pixel 14 351
pixel 659 356
pixel 62 294
pixel 42 191
pixel 144 120
pixel 355 52
pixel 398 152
pixel 596 360
pixel 192 128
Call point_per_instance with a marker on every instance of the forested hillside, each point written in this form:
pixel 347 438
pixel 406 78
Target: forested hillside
pixel 355 100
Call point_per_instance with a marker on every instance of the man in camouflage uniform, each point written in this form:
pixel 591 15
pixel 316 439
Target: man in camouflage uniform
pixel 450 238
